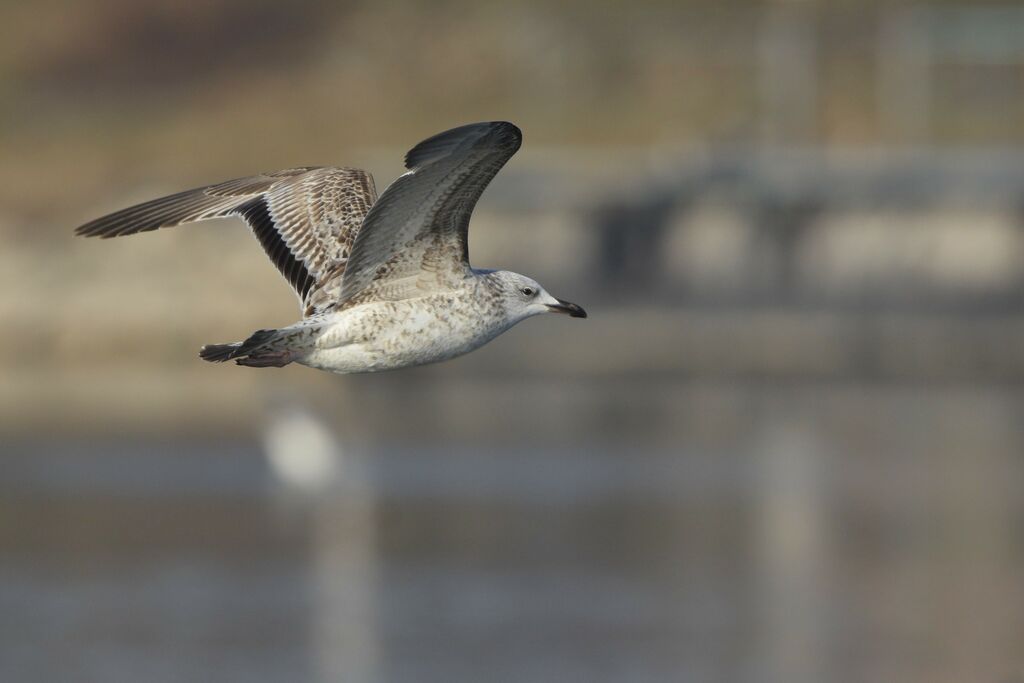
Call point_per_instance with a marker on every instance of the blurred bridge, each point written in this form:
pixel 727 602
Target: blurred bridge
pixel 786 196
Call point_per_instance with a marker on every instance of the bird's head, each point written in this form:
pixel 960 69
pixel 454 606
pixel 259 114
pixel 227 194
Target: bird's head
pixel 523 297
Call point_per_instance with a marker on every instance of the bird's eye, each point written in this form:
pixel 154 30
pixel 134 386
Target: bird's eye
pixel 528 291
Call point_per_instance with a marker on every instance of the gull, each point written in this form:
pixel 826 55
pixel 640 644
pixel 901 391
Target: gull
pixel 384 283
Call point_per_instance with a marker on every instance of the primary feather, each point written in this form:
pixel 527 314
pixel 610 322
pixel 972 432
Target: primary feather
pixel 306 219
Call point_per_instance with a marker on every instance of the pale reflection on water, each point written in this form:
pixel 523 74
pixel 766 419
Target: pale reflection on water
pixel 864 535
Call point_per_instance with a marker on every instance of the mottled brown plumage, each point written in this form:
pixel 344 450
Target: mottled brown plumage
pixel 305 218
pixel 384 283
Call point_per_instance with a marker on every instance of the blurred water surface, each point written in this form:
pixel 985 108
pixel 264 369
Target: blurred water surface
pixel 866 532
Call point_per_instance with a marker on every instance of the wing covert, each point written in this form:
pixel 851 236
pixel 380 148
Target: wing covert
pixel 415 235
pixel 305 218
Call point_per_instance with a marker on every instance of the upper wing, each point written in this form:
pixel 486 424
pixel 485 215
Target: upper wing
pixel 305 218
pixel 414 237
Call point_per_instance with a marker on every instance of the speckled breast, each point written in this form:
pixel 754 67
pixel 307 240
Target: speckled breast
pixel 388 335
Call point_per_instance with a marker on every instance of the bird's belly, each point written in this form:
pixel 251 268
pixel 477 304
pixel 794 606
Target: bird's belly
pixel 396 337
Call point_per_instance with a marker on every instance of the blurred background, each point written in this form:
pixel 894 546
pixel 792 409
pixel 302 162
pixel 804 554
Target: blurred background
pixel 786 446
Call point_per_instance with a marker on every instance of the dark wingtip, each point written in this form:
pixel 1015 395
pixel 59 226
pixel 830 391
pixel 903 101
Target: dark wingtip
pixel 113 225
pixel 442 144
pixel 507 129
pixel 86 230
pixel 104 226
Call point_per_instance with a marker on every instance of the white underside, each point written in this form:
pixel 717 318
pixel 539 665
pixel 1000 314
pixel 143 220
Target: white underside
pixel 397 334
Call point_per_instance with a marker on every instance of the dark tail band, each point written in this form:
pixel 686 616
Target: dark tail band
pixel 218 353
pixel 250 352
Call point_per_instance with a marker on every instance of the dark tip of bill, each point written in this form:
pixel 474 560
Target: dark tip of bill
pixel 569 308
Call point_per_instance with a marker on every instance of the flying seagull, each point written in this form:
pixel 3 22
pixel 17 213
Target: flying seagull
pixel 383 283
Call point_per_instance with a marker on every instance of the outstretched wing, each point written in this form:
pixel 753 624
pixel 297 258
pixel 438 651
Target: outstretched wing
pixel 306 219
pixel 414 237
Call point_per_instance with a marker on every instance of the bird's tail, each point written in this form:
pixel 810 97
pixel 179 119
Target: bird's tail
pixel 218 353
pixel 259 350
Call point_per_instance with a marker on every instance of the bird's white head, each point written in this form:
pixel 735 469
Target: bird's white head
pixel 523 297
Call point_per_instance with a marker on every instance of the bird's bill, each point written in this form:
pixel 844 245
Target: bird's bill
pixel 570 309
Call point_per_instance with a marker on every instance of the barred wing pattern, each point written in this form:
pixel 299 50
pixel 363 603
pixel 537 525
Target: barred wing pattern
pixel 414 238
pixel 305 218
